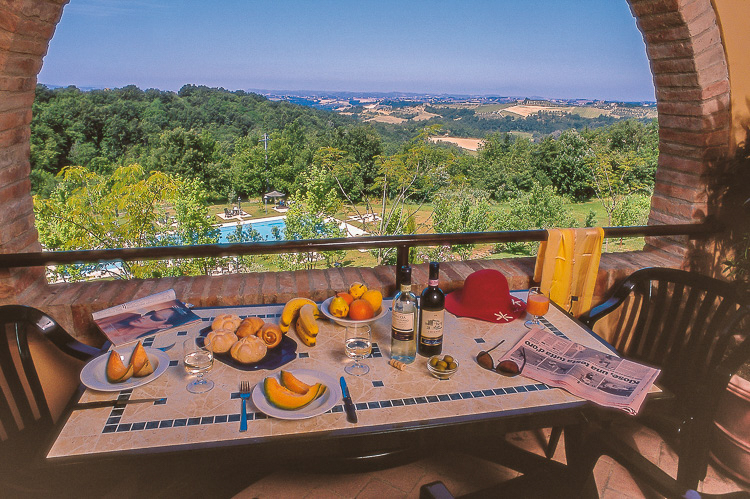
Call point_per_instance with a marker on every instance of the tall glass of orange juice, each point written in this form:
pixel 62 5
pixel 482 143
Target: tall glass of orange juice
pixel 537 304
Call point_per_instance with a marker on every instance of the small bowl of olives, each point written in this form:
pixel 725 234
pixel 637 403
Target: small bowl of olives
pixel 442 367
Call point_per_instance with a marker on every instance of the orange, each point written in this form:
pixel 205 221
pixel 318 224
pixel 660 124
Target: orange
pixel 346 296
pixel 374 298
pixel 357 289
pixel 339 307
pixel 360 310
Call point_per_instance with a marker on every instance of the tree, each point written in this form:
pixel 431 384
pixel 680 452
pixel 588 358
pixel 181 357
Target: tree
pixel 540 208
pixel 460 210
pixel 187 153
pixel 88 210
pixel 248 173
pixel 399 176
pixel 302 222
pixel 570 172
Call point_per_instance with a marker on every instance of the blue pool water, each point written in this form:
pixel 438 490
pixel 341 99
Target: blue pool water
pixel 265 228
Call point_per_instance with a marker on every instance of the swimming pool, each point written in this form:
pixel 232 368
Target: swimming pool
pixel 264 227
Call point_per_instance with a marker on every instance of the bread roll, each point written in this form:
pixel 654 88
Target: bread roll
pixel 226 321
pixel 248 350
pixel 249 326
pixel 270 334
pixel 220 340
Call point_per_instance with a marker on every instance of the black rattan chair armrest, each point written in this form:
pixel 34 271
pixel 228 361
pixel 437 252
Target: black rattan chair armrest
pixel 619 295
pixel 49 329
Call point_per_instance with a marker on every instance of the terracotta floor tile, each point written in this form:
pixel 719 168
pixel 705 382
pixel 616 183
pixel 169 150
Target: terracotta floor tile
pixel 463 474
pixel 602 473
pixel 323 493
pixel 405 477
pixel 378 489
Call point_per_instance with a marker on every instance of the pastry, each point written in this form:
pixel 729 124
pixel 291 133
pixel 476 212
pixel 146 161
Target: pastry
pixel 248 350
pixel 270 334
pixel 220 340
pixel 226 321
pixel 249 327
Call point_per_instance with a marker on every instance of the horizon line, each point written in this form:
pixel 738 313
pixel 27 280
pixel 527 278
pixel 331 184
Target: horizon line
pixel 264 91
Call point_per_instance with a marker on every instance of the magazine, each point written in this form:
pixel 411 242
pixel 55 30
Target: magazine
pixel 147 316
pixel 600 377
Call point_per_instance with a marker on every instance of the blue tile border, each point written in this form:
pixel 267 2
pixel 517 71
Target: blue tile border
pixel 113 424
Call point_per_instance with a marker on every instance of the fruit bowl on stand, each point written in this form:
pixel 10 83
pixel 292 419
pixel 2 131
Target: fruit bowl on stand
pixel 325 309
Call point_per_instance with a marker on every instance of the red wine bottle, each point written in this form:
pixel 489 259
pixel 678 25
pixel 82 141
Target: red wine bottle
pixel 432 312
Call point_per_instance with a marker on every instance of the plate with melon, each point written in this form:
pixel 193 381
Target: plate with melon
pixel 101 372
pixel 304 394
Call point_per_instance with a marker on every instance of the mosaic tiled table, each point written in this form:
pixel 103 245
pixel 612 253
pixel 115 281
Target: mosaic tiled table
pixel 386 398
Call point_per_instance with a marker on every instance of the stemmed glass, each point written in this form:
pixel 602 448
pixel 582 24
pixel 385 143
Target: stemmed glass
pixel 198 360
pixel 358 345
pixel 537 304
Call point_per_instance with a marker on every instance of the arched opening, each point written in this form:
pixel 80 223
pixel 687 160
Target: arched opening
pixel 685 50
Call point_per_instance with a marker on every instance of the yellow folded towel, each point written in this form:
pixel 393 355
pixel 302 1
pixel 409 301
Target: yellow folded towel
pixel 567 265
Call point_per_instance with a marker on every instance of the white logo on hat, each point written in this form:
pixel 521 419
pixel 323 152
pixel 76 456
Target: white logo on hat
pixel 501 316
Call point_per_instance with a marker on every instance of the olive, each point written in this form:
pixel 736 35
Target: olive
pixel 441 365
pixel 434 361
pixel 452 365
pixel 448 359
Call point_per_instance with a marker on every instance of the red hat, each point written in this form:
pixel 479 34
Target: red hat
pixel 485 296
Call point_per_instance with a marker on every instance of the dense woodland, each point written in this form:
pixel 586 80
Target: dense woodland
pixel 215 136
pixel 106 162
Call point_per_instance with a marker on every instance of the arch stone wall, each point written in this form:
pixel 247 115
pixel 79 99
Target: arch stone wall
pixel 26 27
pixel 687 61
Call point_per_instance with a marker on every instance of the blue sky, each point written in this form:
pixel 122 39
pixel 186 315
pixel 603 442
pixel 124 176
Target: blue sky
pixel 548 48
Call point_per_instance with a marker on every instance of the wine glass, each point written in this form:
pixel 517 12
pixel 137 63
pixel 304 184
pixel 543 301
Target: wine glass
pixel 358 345
pixel 198 360
pixel 537 304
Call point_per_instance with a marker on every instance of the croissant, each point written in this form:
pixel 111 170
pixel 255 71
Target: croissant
pixel 220 340
pixel 248 349
pixel 270 334
pixel 226 321
pixel 249 326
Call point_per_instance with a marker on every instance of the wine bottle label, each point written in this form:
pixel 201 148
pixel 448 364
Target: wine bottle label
pixel 431 331
pixel 402 326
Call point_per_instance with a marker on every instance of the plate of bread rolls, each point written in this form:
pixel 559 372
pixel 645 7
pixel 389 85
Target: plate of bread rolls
pixel 248 344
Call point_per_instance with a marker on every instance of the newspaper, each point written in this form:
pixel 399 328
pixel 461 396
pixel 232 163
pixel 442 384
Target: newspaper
pixel 154 314
pixel 600 377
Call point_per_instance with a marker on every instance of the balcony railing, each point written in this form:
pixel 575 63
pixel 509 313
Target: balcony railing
pixel 402 242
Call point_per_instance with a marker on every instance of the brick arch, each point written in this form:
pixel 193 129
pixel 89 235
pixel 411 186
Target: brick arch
pixel 687 61
pixel 691 77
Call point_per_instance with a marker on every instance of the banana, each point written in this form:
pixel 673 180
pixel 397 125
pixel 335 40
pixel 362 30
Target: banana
pixel 306 338
pixel 291 310
pixel 307 315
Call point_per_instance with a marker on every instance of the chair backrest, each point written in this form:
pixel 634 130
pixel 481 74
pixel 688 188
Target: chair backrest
pixel 23 405
pixel 691 326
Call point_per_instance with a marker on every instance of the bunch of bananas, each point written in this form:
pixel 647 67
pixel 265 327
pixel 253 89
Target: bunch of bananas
pixel 303 313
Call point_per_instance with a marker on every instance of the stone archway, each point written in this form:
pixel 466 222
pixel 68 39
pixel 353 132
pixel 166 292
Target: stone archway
pixel 684 46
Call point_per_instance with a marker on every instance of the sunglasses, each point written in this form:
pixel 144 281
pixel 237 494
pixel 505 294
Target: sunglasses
pixel 506 367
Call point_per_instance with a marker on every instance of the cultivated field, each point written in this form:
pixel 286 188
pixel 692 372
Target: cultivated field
pixel 464 143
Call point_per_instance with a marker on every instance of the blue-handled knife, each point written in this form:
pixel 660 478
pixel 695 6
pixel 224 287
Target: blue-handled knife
pixel 351 412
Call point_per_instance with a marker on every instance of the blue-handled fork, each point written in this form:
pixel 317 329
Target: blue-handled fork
pixel 244 395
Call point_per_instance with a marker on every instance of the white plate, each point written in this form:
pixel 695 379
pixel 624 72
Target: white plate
pixel 94 374
pixel 325 309
pixel 329 399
